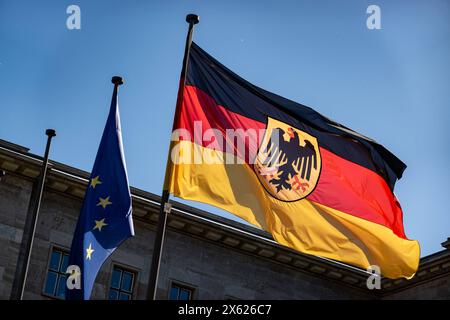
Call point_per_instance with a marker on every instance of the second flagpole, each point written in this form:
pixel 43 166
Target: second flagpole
pixel 192 19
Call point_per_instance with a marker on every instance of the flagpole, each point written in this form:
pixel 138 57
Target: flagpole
pixel 117 81
pixel 192 19
pixel 30 228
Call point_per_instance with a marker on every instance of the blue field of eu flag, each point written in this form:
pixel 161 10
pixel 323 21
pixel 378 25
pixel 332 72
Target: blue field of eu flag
pixel 105 220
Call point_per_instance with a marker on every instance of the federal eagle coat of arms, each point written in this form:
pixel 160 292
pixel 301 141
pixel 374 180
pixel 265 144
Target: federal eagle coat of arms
pixel 288 163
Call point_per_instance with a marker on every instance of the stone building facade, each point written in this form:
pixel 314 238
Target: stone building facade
pixel 205 256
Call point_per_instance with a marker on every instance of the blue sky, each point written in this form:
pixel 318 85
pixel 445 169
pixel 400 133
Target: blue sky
pixel 390 84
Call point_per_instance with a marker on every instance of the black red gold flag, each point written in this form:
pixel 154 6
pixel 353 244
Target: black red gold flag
pixel 314 184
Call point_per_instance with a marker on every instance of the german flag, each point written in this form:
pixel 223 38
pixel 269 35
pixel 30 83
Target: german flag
pixel 317 186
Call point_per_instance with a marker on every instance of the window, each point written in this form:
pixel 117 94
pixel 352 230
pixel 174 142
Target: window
pixel 55 283
pixel 180 292
pixel 122 284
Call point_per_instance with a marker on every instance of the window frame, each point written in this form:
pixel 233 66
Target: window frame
pixel 53 247
pixel 126 268
pixel 182 285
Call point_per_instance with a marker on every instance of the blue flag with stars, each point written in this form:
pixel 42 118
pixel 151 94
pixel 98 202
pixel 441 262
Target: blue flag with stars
pixel 105 220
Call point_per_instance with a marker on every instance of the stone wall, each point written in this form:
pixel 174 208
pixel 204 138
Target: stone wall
pixel 220 273
pixel 14 199
pixel 436 289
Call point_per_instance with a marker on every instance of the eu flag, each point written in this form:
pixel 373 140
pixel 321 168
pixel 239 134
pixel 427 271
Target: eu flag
pixel 105 220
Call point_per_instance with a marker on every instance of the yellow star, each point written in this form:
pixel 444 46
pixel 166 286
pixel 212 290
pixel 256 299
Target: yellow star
pixel 95 181
pixel 100 224
pixel 89 252
pixel 104 202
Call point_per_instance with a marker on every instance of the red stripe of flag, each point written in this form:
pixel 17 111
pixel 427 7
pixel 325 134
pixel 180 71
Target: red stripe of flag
pixel 343 185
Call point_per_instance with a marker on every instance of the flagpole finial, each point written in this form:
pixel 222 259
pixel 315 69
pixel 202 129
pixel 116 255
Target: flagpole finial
pixel 117 80
pixel 192 18
pixel 50 132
